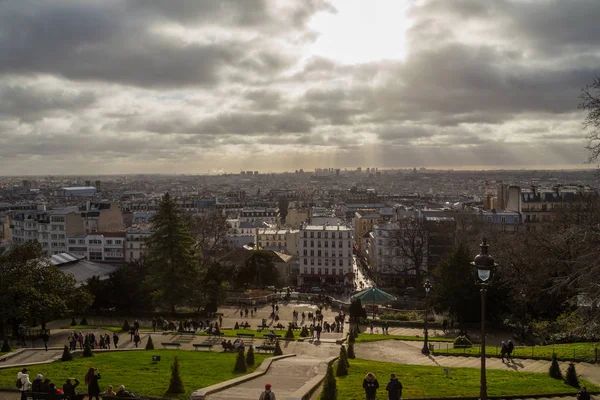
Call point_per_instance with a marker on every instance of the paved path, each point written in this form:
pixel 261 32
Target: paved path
pixel 286 376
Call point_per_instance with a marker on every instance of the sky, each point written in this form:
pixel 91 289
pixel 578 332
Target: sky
pixel 197 86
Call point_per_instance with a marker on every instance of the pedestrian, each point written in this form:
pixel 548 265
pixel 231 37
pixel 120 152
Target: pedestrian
pixel 509 349
pixel 394 388
pixel 107 340
pixel 319 328
pixel 267 394
pixel 583 394
pixel 221 319
pixel 154 323
pixel 23 383
pixel 445 325
pixel 45 338
pixel 115 339
pixel 36 385
pixel 370 385
pixel 136 339
pixel 503 351
pixel 69 388
pixel 91 380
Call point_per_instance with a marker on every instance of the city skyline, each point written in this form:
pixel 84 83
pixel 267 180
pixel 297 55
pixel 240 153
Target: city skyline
pixel 144 87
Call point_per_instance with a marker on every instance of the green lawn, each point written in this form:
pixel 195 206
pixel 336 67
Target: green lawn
pixel 420 381
pixel 117 329
pixel 135 370
pixel 234 332
pixel 367 337
pixel 572 351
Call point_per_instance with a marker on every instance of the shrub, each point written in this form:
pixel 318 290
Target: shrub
pixel 330 386
pixel 236 326
pixel 5 346
pixel 401 316
pixel 304 331
pixel 462 342
pixel 351 351
pixel 342 366
pixel 176 385
pixel 87 350
pixel 357 311
pixel 83 321
pixel 554 370
pixel 66 355
pixel 278 351
pixel 149 344
pixel 250 356
pixel 290 333
pixel 571 378
pixel 73 322
pixel 240 363
pixel 126 327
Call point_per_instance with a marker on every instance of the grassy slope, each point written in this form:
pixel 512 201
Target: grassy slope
pixel 117 329
pixel 135 370
pixel 366 337
pixel 584 351
pixel 233 333
pixel 420 381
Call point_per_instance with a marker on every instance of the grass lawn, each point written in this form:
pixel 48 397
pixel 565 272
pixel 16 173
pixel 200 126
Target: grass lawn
pixel 367 337
pixel 135 370
pixel 420 381
pixel 572 351
pixel 259 335
pixel 117 329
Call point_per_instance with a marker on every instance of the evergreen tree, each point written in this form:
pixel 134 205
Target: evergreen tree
pixel 278 351
pixel 126 327
pixel 237 326
pixel 73 322
pixel 87 350
pixel 172 259
pixel 571 378
pixel 351 351
pixel 66 356
pixel 304 331
pixel 330 386
pixel 5 346
pixel 149 344
pixel 554 370
pixel 342 365
pixel 290 333
pixel 176 384
pixel 344 353
pixel 240 363
pixel 250 356
pixel 83 321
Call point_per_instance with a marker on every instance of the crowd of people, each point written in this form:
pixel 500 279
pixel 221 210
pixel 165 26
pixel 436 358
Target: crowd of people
pixel 100 341
pixel 45 385
pixel 236 345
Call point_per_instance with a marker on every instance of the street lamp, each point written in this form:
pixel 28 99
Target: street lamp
pixel 485 269
pixel 425 349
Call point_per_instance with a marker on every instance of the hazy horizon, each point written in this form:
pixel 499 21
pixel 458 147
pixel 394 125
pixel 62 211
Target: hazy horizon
pixel 147 86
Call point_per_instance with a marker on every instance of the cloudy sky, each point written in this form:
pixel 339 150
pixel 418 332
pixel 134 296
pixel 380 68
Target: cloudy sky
pixel 191 86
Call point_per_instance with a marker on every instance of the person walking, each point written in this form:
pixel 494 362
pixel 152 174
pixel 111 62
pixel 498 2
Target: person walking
pixel 267 394
pixel 370 385
pixel 509 349
pixel 115 339
pixel 25 384
pixel 45 338
pixel 69 388
pixel 91 380
pixel 583 394
pixel 503 351
pixel 394 388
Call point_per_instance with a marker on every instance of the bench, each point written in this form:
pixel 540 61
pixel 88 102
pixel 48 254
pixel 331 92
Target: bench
pixel 267 336
pixel 173 344
pixel 46 396
pixel 216 334
pixel 245 335
pixel 185 333
pixel 202 346
pixel 265 348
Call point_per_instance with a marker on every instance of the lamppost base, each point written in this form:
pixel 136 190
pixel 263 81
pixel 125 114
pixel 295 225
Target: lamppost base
pixel 425 351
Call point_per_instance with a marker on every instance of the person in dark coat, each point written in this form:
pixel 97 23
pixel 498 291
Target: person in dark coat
pixel 504 351
pixel 36 385
pixel 69 388
pixel 509 349
pixel 115 339
pixel 91 380
pixel 583 394
pixel 46 386
pixel 394 388
pixel 370 385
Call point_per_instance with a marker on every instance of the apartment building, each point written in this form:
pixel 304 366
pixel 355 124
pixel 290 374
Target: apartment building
pixel 258 214
pixel 325 255
pixel 106 247
pixel 135 246
pixel 296 217
pixel 102 217
pixel 280 240
pixel 50 228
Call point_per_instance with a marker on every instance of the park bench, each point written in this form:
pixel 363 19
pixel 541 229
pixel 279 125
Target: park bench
pixel 185 333
pixel 245 335
pixel 202 346
pixel 267 336
pixel 265 348
pixel 215 334
pixel 172 344
pixel 46 396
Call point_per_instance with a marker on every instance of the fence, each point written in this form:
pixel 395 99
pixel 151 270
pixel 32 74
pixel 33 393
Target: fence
pixel 579 352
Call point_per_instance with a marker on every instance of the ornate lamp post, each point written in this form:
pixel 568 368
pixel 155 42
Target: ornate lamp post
pixel 425 349
pixel 485 268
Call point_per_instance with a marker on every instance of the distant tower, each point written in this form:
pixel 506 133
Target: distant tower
pixel 88 183
pixel 98 185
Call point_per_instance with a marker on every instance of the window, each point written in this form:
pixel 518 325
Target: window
pixel 312 243
pixel 503 220
pixel 109 242
pixel 326 261
pixel 341 244
pixel 333 243
pixel 333 271
pixel 319 253
pixel 131 245
pixel 305 261
pixel 117 242
pixel 305 235
pixel 318 261
pixel 312 235
pixel 312 253
pixel 325 235
pixel 489 219
pixel 312 261
pixel 312 271
pixel 81 241
pixel 305 270
pixel 95 255
pixel 131 254
pixel 341 262
pixel 318 235
pixel 326 271
pixel 319 271
pixel 326 253
pixel 72 241
pixel 326 243
pixel 305 252
pixel 333 235
pixel 305 241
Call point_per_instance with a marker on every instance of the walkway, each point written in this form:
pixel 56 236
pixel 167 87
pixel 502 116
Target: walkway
pixel 286 376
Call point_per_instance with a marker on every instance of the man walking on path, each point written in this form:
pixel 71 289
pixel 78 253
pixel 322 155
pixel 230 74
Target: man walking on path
pixel 394 388
pixel 267 394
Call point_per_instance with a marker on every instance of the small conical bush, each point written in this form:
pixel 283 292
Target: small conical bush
pixel 330 386
pixel 240 362
pixel 176 384
pixel 73 322
pixel 290 333
pixel 571 378
pixel 83 321
pixel 5 346
pixel 66 355
pixel 149 344
pixel 87 350
pixel 342 365
pixel 278 351
pixel 250 356
pixel 126 327
pixel 554 370
pixel 351 354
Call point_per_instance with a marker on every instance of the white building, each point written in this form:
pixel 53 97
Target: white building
pixel 258 215
pixel 325 254
pixel 76 191
pixel 280 240
pixel 50 228
pixel 106 246
pixel 135 246
pixel 323 216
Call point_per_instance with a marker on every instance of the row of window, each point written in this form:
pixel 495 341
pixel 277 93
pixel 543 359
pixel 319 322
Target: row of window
pixel 326 243
pixel 333 271
pixel 326 235
pixel 326 253
pixel 326 262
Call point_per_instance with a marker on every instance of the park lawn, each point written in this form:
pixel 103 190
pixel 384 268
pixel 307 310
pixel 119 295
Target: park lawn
pixel 258 335
pixel 135 370
pixel 584 351
pixel 367 337
pixel 424 381
pixel 117 329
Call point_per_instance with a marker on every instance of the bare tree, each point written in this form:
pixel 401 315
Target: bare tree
pixel 590 103
pixel 210 232
pixel 409 242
